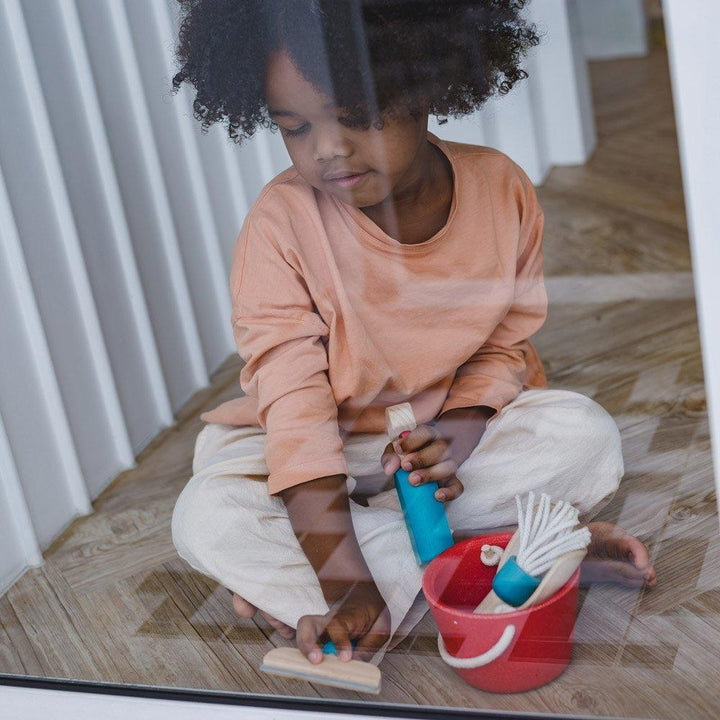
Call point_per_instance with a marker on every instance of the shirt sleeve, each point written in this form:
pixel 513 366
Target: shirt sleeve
pixel 280 336
pixel 494 375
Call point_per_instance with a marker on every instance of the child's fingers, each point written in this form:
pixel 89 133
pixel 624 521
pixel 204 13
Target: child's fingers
pixel 435 473
pixel 389 460
pixel 370 643
pixel 415 439
pixel 309 629
pixel 437 451
pixel 444 475
pixel 340 636
pixel 449 490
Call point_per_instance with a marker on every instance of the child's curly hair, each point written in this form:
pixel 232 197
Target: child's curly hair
pixel 376 58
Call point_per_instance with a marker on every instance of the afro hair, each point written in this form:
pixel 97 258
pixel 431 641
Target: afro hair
pixel 375 58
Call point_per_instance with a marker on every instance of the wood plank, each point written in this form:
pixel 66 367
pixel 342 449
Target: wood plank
pixel 58 636
pixel 17 656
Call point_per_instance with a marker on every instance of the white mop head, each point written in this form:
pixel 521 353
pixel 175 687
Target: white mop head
pixel 547 535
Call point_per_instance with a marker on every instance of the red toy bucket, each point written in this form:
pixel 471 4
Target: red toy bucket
pixel 502 653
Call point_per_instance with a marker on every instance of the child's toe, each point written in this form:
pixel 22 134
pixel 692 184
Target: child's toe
pixel 242 607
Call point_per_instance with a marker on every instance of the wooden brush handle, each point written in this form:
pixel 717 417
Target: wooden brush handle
pixel 399 418
pixel 353 674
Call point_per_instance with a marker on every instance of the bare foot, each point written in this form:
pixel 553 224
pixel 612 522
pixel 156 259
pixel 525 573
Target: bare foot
pixel 616 556
pixel 244 609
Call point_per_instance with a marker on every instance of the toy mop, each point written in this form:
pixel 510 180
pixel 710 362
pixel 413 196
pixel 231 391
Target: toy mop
pixel 539 559
pixel 427 525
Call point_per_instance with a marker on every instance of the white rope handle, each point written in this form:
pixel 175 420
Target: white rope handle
pixel 485 659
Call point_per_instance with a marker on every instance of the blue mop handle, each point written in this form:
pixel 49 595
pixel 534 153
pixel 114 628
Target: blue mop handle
pixel 330 649
pixel 428 527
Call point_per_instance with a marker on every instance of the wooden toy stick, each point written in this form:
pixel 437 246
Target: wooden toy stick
pixel 351 675
pixel 399 418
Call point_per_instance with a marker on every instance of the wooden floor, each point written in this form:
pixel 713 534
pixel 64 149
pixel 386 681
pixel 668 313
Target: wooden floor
pixel 114 602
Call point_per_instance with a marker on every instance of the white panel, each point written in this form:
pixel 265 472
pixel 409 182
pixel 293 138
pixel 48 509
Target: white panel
pixel 142 186
pixel 692 43
pixel 560 83
pixel 613 28
pixel 152 34
pixel 30 402
pixel 44 219
pixel 469 129
pixel 511 125
pixel 261 159
pixel 228 193
pixel 273 154
pixel 82 145
pixel 17 537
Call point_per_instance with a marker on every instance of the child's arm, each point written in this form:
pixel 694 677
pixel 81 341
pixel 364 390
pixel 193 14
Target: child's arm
pixel 281 336
pixel 494 375
pixel 319 512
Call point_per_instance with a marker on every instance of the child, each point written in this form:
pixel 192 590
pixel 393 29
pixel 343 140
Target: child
pixel 416 278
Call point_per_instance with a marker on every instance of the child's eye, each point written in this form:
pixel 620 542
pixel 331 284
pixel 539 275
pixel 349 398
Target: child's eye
pixel 297 131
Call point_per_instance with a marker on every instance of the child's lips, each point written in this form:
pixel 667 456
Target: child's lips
pixel 350 181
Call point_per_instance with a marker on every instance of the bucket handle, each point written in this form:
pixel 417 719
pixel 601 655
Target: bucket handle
pixel 487 657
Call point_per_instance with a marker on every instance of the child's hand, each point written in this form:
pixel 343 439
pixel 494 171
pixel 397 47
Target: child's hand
pixel 362 615
pixel 427 454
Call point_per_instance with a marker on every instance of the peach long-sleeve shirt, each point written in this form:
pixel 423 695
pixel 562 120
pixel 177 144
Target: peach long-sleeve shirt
pixel 336 320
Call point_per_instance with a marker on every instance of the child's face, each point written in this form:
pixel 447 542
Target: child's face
pixel 394 158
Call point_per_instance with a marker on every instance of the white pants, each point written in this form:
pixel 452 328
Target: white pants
pixel 226 526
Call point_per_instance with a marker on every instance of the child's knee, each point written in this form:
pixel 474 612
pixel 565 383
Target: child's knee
pixel 185 519
pixel 194 524
pixel 599 448
pixel 216 511
pixel 597 429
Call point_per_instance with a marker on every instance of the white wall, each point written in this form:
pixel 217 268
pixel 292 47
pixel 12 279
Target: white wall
pixel 117 222
pixel 691 29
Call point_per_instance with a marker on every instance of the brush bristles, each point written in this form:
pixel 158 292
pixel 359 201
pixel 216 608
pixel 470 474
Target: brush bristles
pixel 547 534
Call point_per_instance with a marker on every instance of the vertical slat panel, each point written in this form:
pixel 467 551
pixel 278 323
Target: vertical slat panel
pixel 30 401
pixel 547 119
pixel 260 161
pixel 151 30
pixel 561 83
pixel 613 28
pixel 17 536
pixel 510 126
pixel 142 186
pixel 44 218
pixel 470 129
pixel 227 190
pixel 82 145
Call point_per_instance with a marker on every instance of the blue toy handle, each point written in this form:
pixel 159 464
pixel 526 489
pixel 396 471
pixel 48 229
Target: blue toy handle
pixel 512 584
pixel 428 527
pixel 330 649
